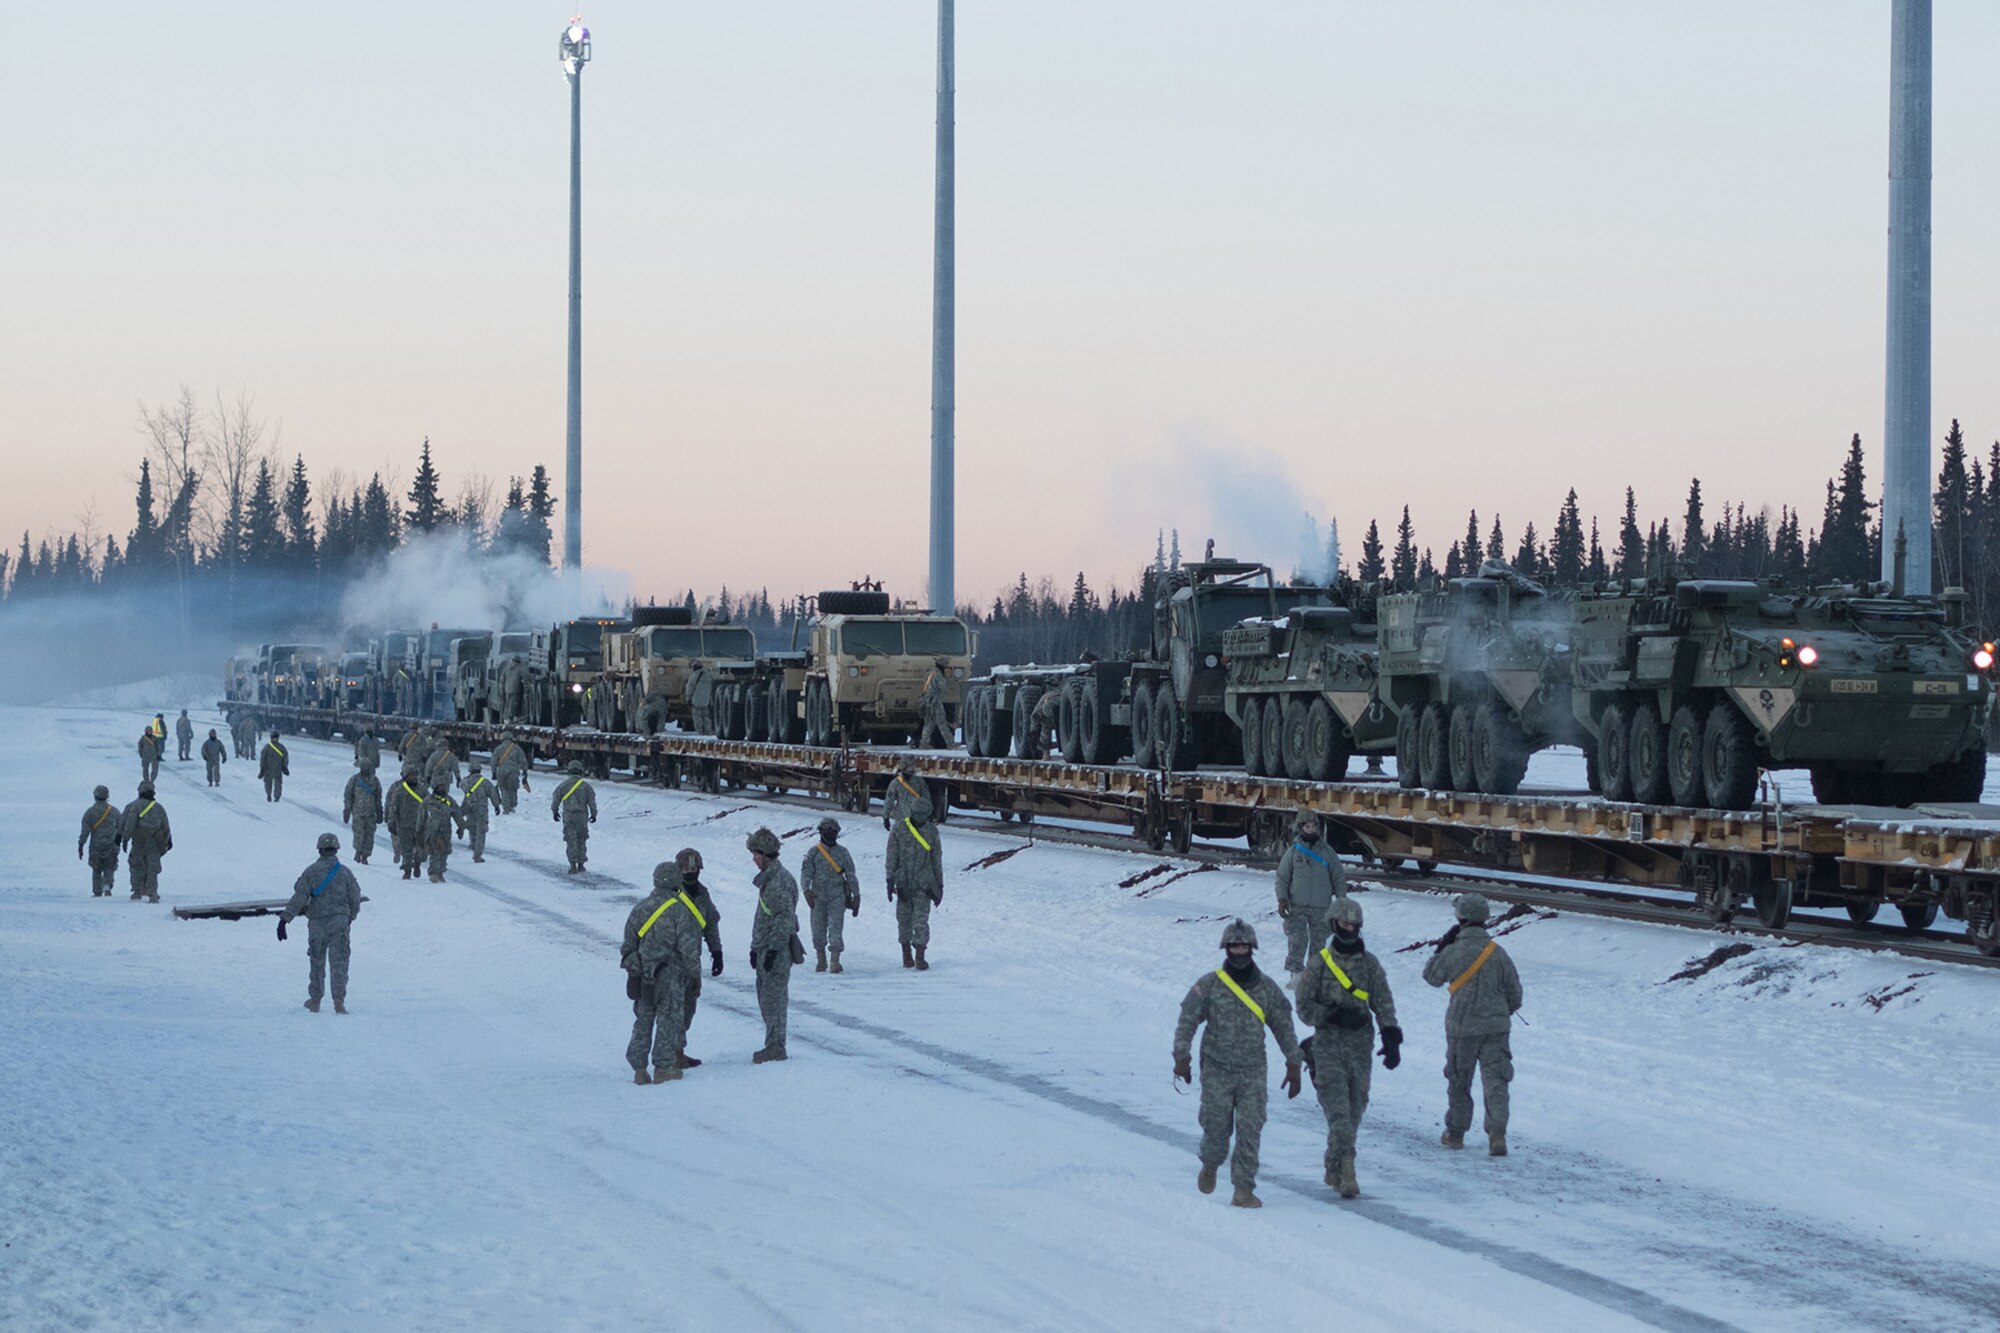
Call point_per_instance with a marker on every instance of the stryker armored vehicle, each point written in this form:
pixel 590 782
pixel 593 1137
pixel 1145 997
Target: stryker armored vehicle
pixel 1302 688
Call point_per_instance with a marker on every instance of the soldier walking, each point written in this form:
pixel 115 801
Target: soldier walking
pixel 1237 1002
pixel 149 756
pixel 99 837
pixel 573 803
pixel 274 764
pixel 1310 878
pixel 243 731
pixel 367 749
pixel 916 880
pixel 510 770
pixel 661 955
pixel 831 888
pixel 214 754
pixel 440 818
pixel 361 809
pixel 1343 994
pixel 405 818
pixel 184 735
pixel 936 733
pixel 442 765
pixel 774 928
pixel 146 837
pixel 327 895
pixel 482 798
pixel 904 789
pixel 1485 993
pixel 689 861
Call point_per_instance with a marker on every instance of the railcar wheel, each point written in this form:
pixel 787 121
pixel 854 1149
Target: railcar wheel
pixel 1295 739
pixel 1408 770
pixel 1685 776
pixel 1327 749
pixel 1433 748
pixel 1458 740
pixel 1774 902
pixel 1145 742
pixel 1646 756
pixel 1729 759
pixel 1918 916
pixel 1181 832
pixel 1862 913
pixel 1252 727
pixel 1499 750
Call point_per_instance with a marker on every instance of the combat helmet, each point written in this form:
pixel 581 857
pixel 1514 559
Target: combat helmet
pixel 576 767
pixel 829 825
pixel 101 792
pixel 763 841
pixel 667 876
pixel 1239 931
pixel 1347 912
pixel 689 860
pixel 145 789
pixel 1471 908
pixel 329 842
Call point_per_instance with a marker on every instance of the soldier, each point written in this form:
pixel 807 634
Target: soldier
pixel 442 764
pixel 327 895
pixel 100 836
pixel 831 888
pixel 184 735
pixel 361 809
pixel 412 745
pixel 243 731
pixel 405 816
pixel 916 880
pixel 158 726
pixel 367 749
pixel 510 770
pixel 774 928
pixel 1485 992
pixel 146 837
pixel 1237 1002
pixel 1309 879
pixel 214 754
pixel 573 803
pixel 1342 995
pixel 662 955
pixel 440 818
pixel 936 733
pixel 689 861
pixel 903 789
pixel 149 756
pixel 274 764
pixel 482 798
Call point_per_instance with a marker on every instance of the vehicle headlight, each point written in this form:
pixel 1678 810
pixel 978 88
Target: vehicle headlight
pixel 575 688
pixel 1209 661
pixel 854 671
pixel 1982 657
pixel 1807 654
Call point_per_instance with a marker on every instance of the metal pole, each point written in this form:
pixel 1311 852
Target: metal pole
pixel 573 478
pixel 943 319
pixel 1906 433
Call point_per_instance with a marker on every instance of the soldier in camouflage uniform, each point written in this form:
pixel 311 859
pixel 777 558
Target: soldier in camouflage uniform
pixel 1485 993
pixel 662 954
pixel 689 861
pixel 99 837
pixel 243 731
pixel 146 837
pixel 831 888
pixel 413 747
pixel 361 807
pixel 916 880
pixel 327 895
pixel 903 789
pixel 573 804
pixel 1044 721
pixel 214 754
pixel 184 736
pixel 367 749
pixel 482 798
pixel 441 819
pixel 510 770
pixel 1343 994
pixel 405 817
pixel 149 756
pixel 936 733
pixel 274 764
pixel 442 765
pixel 1310 880
pixel 772 927
pixel 1237 1002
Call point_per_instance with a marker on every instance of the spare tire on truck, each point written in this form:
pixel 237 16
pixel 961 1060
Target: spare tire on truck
pixel 850 603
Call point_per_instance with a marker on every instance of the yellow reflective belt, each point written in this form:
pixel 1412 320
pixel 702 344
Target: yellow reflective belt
pixel 906 786
pixel 101 818
pixel 274 748
pixel 413 795
pixel 475 785
pixel 1341 976
pixel 571 792
pixel 658 912
pixel 1241 994
pixel 147 811
pixel 699 919
pixel 829 857
pixel 913 833
pixel 1477 963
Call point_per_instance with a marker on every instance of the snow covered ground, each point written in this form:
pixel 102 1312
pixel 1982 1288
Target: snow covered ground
pixel 1800 1139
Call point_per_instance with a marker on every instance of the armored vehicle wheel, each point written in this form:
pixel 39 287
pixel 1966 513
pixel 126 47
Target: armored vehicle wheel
pixel 1145 745
pixel 1918 916
pixel 1067 734
pixel 1326 744
pixel 1406 749
pixel 1458 747
pixel 1499 750
pixel 1964 779
pixel 1862 913
pixel 1685 778
pixel 1774 901
pixel 1294 738
pixel 1274 735
pixel 1168 742
pixel 1729 759
pixel 1434 748
pixel 1253 737
pixel 1026 745
pixel 1831 786
pixel 1091 733
pixel 1646 757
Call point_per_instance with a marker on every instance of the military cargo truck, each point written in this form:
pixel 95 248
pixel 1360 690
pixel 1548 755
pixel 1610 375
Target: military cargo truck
pixel 350 683
pixel 652 666
pixel 288 673
pixel 392 685
pixel 466 669
pixel 427 661
pixel 575 669
pixel 1301 688
pixel 861 671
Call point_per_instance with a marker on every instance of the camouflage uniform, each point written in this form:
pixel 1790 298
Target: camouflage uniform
pixel 510 769
pixel 904 790
pixel 1233 1065
pixel 772 926
pixel 244 732
pixel 184 735
pixel 832 889
pixel 414 747
pixel 689 860
pixel 662 951
pixel 327 895
pixel 149 756
pixel 361 806
pixel 441 766
pixel 937 729
pixel 916 879
pixel 405 815
pixel 482 798
pixel 144 833
pixel 573 802
pixel 1343 1014
pixel 273 764
pixel 1310 880
pixel 440 819
pixel 1476 1024
pixel 99 839
pixel 367 751
pixel 214 754
pixel 1044 720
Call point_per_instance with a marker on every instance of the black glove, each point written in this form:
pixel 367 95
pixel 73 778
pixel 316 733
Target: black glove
pixel 593 819
pixel 854 906
pixel 281 929
pixel 79 852
pixel 1451 934
pixel 1291 1081
pixel 1392 1047
pixel 715 964
pixel 1184 1068
pixel 753 960
pixel 557 818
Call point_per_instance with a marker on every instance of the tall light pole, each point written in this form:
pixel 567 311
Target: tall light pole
pixel 943 354
pixel 1906 431
pixel 575 50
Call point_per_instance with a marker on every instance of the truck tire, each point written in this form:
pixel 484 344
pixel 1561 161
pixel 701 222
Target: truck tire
pixel 1962 780
pixel 1090 728
pixel 1499 750
pixel 756 713
pixel 1026 744
pixel 1252 727
pixel 1729 759
pixel 1434 748
pixel 1646 757
pixel 1145 745
pixel 843 602
pixel 1274 736
pixel 1066 722
pixel 1171 747
pixel 1327 749
pixel 1294 742
pixel 1685 776
pixel 1458 741
pixel 1409 771
pixel 1614 752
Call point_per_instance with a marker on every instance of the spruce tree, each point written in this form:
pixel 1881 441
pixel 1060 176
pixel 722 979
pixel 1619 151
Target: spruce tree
pixel 142 548
pixel 1631 542
pixel 1695 538
pixel 1471 550
pixel 1566 551
pixel 538 539
pixel 427 508
pixel 1371 568
pixel 1598 570
pixel 1952 516
pixel 301 541
pixel 263 539
pixel 1403 566
pixel 376 534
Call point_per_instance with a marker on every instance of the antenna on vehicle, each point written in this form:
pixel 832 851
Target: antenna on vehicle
pixel 1902 560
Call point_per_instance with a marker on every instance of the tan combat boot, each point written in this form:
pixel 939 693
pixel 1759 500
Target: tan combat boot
pixel 639 1077
pixel 908 961
pixel 1452 1139
pixel 671 1074
pixel 313 1005
pixel 922 966
pixel 836 962
pixel 340 1006
pixel 1349 1189
pixel 1205 1182
pixel 1496 1145
pixel 1245 1197
pixel 821 965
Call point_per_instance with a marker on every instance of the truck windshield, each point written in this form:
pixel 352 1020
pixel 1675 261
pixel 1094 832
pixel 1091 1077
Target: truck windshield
pixel 675 642
pixel 582 636
pixel 871 638
pixel 737 642
pixel 935 638
pixel 1220 609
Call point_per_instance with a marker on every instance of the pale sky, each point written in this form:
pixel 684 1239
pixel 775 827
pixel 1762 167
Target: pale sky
pixel 1361 254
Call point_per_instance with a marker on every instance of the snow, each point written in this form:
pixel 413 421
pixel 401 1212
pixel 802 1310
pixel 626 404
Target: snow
pixel 1796 1140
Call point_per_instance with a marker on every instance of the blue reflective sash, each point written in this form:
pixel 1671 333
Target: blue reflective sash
pixel 1308 852
pixel 328 880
